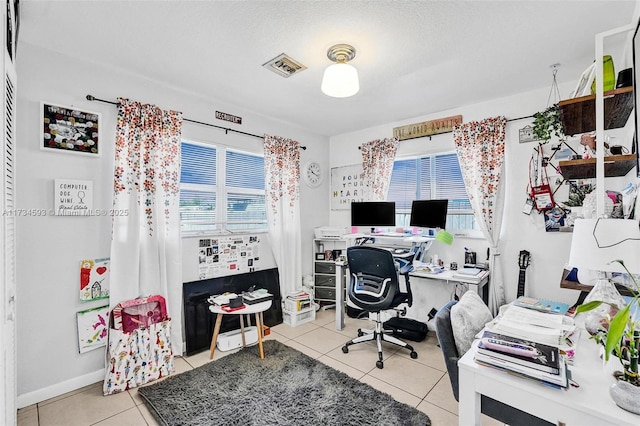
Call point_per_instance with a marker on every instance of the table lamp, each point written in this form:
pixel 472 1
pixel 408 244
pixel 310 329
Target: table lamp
pixel 595 245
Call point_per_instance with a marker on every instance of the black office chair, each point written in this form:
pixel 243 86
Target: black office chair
pixel 490 407
pixel 374 287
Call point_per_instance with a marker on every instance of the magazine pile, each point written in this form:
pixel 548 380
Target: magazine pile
pixel 528 343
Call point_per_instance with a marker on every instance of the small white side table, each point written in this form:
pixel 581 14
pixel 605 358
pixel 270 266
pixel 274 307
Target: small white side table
pixel 257 309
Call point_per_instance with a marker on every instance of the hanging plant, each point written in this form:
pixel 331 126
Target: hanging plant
pixel 547 124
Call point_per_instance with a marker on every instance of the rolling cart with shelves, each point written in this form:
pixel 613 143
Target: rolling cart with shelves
pixel 324 270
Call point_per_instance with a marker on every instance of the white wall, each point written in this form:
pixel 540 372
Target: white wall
pixel 49 248
pixel 549 251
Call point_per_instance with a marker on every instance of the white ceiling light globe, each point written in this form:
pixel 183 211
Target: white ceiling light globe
pixel 340 81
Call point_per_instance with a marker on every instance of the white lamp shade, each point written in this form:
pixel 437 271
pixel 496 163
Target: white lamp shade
pixel 596 243
pixel 340 81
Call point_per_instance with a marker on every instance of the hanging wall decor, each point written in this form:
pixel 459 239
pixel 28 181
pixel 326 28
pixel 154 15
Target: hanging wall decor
pixel 68 129
pixel 73 197
pixel 92 328
pixel 94 279
pixel 347 185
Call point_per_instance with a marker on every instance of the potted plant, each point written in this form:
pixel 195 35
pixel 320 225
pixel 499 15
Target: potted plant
pixel 547 123
pixel 621 336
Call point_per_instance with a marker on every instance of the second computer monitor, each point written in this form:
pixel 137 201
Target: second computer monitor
pixel 429 213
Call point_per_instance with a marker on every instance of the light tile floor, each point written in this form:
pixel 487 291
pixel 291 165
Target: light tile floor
pixel 422 383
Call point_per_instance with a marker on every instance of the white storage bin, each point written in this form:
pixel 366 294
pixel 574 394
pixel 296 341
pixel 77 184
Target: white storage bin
pixel 296 318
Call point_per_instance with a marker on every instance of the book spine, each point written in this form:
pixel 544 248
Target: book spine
pixel 536 374
pixel 533 364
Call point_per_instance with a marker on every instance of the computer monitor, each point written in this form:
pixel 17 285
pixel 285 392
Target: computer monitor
pixel 429 213
pixel 373 213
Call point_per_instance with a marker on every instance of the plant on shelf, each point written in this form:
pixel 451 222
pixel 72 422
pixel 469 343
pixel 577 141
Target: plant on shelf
pixel 621 334
pixel 547 123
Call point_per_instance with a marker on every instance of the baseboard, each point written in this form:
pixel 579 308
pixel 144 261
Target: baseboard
pixel 40 395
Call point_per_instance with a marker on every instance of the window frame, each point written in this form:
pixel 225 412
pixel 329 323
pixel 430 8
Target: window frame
pixel 402 214
pixel 221 192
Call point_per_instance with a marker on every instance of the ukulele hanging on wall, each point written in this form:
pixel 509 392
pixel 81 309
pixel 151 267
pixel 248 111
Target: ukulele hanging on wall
pixel 524 259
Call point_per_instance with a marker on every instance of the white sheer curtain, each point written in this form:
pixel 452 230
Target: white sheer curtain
pixel 480 148
pixel 146 255
pixel 377 165
pixel 282 182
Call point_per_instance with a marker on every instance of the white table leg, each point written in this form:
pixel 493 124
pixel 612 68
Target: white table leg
pixel 469 399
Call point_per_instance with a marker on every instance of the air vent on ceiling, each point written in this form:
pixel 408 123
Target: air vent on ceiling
pixel 284 65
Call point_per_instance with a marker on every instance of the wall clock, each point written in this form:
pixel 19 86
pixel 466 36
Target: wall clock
pixel 312 174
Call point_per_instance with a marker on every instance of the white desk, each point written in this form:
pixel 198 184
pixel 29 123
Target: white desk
pixel 477 283
pixel 257 309
pixel 590 404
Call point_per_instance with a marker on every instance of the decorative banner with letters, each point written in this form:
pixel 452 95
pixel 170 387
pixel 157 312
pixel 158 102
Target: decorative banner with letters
pixel 427 128
pixel 346 186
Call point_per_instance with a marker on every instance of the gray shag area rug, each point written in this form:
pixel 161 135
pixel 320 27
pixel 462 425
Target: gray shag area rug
pixel 287 387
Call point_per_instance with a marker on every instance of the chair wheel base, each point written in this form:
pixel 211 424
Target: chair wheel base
pixel 360 333
pixel 380 364
pixel 345 350
pixel 414 354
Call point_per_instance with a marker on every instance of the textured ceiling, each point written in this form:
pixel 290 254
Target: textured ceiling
pixel 413 57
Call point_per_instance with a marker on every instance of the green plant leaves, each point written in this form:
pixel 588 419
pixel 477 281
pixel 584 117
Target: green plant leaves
pixel 547 124
pixel 616 330
pixel 588 306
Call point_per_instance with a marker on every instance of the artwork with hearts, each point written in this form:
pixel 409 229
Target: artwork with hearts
pixel 92 328
pixel 94 279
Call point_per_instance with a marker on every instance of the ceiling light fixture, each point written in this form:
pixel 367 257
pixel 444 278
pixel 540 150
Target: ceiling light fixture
pixel 340 80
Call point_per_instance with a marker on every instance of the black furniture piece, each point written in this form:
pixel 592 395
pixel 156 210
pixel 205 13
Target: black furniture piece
pixel 374 287
pixel 490 407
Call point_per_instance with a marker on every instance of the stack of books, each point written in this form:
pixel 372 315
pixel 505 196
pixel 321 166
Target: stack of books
pixel 530 342
pixel 299 301
pixel 525 358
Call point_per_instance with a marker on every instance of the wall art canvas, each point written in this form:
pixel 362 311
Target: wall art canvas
pixel 92 328
pixel 69 129
pixel 94 279
pixel 347 185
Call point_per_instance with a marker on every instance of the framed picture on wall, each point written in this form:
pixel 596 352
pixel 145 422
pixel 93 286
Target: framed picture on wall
pixel 69 129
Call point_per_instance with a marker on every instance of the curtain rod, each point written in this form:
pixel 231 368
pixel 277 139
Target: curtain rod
pixel 451 131
pixel 226 129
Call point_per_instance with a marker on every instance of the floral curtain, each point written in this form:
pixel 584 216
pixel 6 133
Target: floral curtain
pixel 377 165
pixel 146 256
pixel 480 149
pixel 282 182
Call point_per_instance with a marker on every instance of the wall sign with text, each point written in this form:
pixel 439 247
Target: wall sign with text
pixel 73 197
pixel 347 186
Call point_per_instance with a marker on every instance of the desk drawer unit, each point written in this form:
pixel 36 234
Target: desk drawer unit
pixel 326 293
pixel 325 268
pixel 325 281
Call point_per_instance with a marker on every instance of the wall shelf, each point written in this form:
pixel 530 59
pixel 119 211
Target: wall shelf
pixel 615 165
pixel 578 115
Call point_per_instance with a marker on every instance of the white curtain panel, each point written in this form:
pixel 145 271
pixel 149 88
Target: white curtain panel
pixel 146 254
pixel 377 165
pixel 282 182
pixel 480 149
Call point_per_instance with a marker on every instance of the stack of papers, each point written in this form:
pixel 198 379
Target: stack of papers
pixel 221 299
pixel 541 327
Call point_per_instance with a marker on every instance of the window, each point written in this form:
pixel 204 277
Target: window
pixel 203 200
pixel 244 184
pixel 431 177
